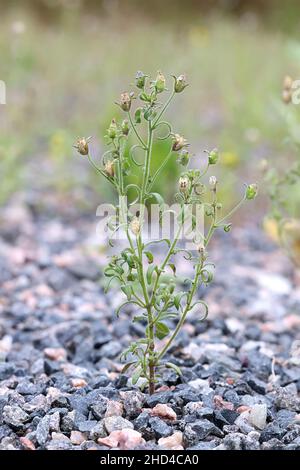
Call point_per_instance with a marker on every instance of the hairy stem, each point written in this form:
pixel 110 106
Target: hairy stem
pixel 184 314
pixel 150 336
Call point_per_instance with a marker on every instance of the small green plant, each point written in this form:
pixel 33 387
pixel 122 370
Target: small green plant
pixel 155 288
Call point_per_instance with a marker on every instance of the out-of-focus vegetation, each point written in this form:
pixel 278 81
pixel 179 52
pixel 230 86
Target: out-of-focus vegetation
pixel 63 62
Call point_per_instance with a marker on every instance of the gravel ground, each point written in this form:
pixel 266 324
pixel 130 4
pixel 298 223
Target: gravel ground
pixel 60 382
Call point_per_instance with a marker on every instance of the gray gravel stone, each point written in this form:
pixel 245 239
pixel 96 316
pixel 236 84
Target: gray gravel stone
pixel 199 430
pixel 133 402
pixel 114 423
pixel 286 397
pixel 15 417
pixel 271 431
pixel 99 408
pixel 6 370
pixel 160 428
pixel 42 430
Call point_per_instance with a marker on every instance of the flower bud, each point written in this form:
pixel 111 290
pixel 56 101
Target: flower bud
pixel 251 191
pixel 112 130
pixel 125 101
pixel 179 142
pixel 135 226
pixel 82 145
pixel 109 168
pixel 184 157
pixel 125 127
pixel 184 184
pixel 213 183
pixel 180 83
pixel 140 79
pixel 213 157
pixel 160 83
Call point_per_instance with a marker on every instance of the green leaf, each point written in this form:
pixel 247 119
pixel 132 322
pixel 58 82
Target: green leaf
pixel 127 366
pixel 177 300
pixel 177 369
pixel 165 315
pixel 109 272
pixel 138 318
pixel 127 291
pixel 149 113
pixel 106 288
pixel 161 330
pixel 138 116
pixel 149 256
pixel 149 274
pixel 128 302
pixel 135 377
pixel 155 242
pixel 159 199
pixel 173 267
pixel 144 97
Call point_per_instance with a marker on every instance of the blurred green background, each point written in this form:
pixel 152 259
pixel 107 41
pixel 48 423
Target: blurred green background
pixel 65 63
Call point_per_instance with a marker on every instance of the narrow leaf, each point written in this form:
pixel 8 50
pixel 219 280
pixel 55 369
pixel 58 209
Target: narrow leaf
pixel 149 256
pixel 161 330
pixel 136 376
pixel 150 273
pixel 177 369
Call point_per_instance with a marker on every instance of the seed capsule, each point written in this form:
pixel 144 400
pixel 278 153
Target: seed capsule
pixel 160 83
pixel 135 226
pixel 184 157
pixel 109 168
pixel 184 184
pixel 213 183
pixel 82 145
pixel 125 127
pixel 213 157
pixel 180 83
pixel 112 130
pixel 201 251
pixel 125 101
pixel 179 142
pixel 251 191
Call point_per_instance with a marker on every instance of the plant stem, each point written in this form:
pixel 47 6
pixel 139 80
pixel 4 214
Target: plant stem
pixel 99 170
pixel 163 110
pixel 183 316
pixel 232 211
pixel 159 170
pixel 151 343
pixel 164 263
pixel 136 132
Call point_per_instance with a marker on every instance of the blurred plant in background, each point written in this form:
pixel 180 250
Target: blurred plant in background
pixel 282 180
